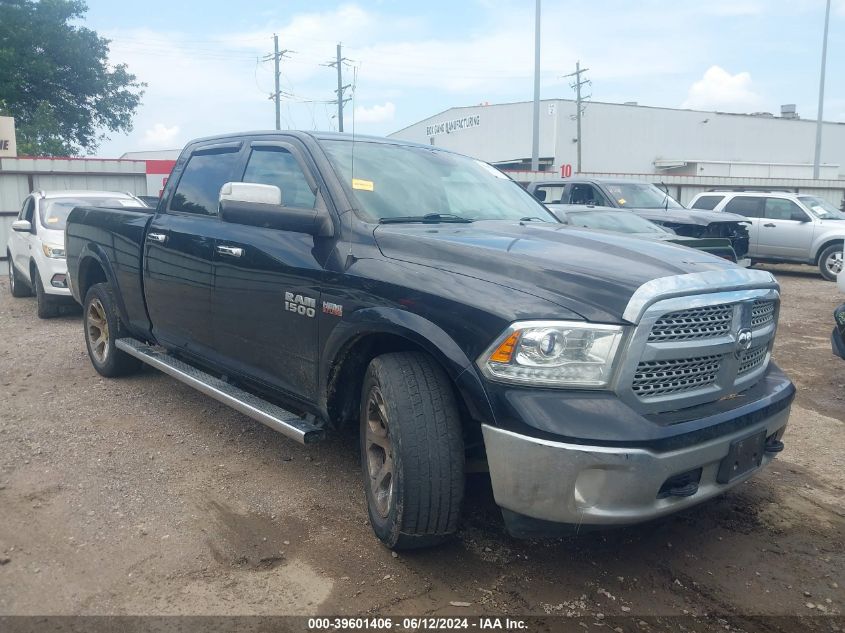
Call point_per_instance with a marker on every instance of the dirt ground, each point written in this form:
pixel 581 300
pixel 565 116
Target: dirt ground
pixel 142 496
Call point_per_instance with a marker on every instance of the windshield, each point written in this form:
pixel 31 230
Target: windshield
pixel 407 182
pixel 54 211
pixel 640 195
pixel 822 209
pixel 618 221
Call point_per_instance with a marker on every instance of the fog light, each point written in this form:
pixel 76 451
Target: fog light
pixel 59 280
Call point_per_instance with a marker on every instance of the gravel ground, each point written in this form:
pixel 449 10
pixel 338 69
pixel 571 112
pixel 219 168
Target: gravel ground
pixel 141 496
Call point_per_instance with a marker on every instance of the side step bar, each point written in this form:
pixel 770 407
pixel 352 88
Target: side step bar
pixel 250 405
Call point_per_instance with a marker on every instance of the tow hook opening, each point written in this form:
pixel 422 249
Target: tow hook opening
pixel 683 485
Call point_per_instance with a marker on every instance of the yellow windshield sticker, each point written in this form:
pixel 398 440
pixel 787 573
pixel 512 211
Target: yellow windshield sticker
pixel 622 201
pixel 363 185
pixel 52 220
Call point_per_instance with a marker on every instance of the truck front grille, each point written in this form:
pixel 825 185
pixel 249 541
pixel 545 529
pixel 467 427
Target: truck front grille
pixel 762 313
pixel 661 377
pixel 697 323
pixel 684 357
pixel 752 359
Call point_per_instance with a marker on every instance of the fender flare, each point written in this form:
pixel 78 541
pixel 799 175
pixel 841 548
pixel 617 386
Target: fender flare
pixel 417 330
pixel 823 242
pixel 95 251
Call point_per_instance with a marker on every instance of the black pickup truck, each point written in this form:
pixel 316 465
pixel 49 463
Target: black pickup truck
pixel 311 281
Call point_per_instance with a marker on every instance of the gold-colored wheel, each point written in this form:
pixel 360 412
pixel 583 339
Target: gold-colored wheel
pixel 379 452
pixel 97 326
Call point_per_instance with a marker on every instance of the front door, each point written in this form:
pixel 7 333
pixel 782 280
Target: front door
pixel 179 253
pixel 786 230
pixel 267 282
pixel 20 244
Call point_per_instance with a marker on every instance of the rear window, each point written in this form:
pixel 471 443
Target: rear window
pixel 750 207
pixel 53 212
pixel 707 203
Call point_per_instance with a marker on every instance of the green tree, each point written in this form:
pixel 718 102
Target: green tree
pixel 56 80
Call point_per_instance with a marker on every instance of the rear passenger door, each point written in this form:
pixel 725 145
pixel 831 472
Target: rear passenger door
pixel 268 282
pixel 752 208
pixel 179 251
pixel 786 231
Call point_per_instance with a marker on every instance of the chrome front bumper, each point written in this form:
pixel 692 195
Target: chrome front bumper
pixel 594 485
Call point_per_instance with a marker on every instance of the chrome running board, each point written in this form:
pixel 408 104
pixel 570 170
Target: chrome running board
pixel 275 417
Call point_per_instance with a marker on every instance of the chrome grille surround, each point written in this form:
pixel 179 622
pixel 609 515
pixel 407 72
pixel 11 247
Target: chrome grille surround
pixel 660 373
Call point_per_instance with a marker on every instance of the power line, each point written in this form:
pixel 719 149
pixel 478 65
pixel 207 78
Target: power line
pixel 579 108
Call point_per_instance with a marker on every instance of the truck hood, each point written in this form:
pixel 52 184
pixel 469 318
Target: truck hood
pixel 688 216
pixel 589 273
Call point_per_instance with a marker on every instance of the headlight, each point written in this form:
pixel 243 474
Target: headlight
pixel 553 354
pixel 54 252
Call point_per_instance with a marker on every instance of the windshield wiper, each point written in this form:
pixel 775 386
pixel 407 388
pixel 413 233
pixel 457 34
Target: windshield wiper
pixel 431 218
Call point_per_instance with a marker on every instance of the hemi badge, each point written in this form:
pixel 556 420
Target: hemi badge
pixel 335 309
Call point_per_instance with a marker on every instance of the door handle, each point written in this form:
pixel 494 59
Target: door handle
pixel 160 238
pixel 231 251
pixel 770 225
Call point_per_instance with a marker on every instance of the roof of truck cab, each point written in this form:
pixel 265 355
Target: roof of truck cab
pixel 577 179
pixel 318 136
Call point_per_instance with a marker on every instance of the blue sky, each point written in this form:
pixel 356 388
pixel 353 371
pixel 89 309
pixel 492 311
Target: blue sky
pixel 414 59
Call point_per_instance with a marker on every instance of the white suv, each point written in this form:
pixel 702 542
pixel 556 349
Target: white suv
pixel 36 247
pixel 785 227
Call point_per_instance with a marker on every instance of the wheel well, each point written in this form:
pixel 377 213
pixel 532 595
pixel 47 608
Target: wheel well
pixel 346 376
pixel 90 273
pixel 824 246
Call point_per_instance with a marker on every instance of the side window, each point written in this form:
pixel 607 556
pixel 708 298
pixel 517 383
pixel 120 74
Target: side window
pixel 707 203
pixel 780 209
pixel 748 206
pixel 586 194
pixel 198 190
pixel 277 166
pixel 554 193
pixel 27 209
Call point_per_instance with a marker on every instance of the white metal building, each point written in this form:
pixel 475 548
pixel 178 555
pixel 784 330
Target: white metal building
pixel 688 149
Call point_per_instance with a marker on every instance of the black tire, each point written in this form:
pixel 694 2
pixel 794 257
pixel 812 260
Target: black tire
pixel 421 428
pixel 830 261
pixel 47 306
pixel 18 286
pixel 103 327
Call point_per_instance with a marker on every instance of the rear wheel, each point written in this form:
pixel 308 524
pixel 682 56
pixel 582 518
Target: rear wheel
pixel 411 451
pixel 47 306
pixel 830 262
pixel 102 328
pixel 17 284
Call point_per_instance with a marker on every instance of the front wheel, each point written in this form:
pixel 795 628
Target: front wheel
pixel 830 262
pixel 102 328
pixel 17 284
pixel 412 451
pixel 47 307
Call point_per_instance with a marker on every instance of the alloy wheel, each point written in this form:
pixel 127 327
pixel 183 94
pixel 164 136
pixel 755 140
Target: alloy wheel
pixel 834 263
pixel 98 330
pixel 379 452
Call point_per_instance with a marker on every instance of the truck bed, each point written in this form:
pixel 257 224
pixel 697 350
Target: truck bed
pixel 113 238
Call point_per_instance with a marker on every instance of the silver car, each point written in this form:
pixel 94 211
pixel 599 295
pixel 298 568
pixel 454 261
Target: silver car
pixel 785 227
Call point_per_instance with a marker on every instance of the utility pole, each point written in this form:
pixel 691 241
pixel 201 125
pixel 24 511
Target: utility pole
pixel 535 130
pixel 818 156
pixel 579 108
pixel 338 63
pixel 277 57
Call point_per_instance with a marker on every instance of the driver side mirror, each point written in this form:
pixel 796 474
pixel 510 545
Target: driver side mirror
pixel 22 226
pixel 254 204
pixel 799 216
pixel 540 194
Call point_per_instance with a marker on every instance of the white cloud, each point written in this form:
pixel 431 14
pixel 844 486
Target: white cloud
pixel 720 90
pixel 160 135
pixel 375 114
